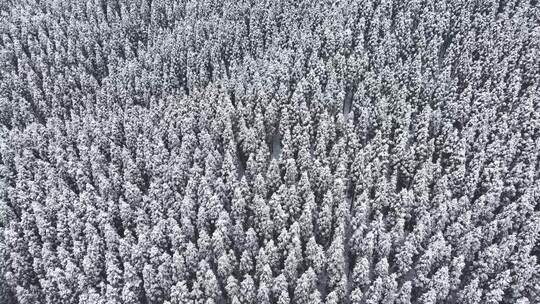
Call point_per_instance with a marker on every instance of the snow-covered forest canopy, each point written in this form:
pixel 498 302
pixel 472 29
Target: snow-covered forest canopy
pixel 241 151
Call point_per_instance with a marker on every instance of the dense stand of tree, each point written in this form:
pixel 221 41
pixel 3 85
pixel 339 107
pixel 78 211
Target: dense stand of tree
pixel 233 151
